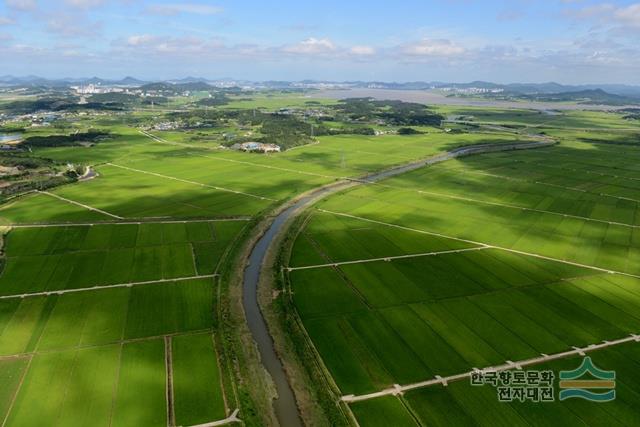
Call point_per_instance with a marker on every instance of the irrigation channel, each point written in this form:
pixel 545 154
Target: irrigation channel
pixel 285 406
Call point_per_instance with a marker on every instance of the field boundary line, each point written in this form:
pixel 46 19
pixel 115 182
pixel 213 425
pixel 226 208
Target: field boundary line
pixel 125 222
pixel 233 418
pixel 320 175
pixel 73 202
pixel 548 184
pixel 163 141
pixel 186 181
pixel 108 344
pixel 116 383
pixel 543 358
pixel 506 205
pixel 97 287
pixel 387 258
pixel 17 391
pixel 168 365
pixel 460 239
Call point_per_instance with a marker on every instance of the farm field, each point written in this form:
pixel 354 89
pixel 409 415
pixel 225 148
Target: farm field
pixel 463 404
pixel 469 264
pixel 45 259
pixel 114 301
pixel 104 321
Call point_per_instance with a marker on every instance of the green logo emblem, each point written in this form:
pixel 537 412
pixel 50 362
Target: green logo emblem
pixel 603 381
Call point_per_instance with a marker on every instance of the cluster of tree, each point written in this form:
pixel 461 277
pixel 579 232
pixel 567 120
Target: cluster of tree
pixel 408 131
pixel 214 101
pixel 632 113
pixel 76 139
pixel 397 113
pixel 285 131
pixel 57 104
pixel 113 97
pixel 176 88
pixel 23 161
pixel 35 173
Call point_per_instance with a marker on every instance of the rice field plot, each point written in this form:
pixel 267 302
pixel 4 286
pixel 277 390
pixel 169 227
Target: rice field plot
pixel 198 395
pixel 40 208
pixel 404 320
pixel 460 403
pixel 69 257
pixel 132 194
pixel 329 238
pixel 101 317
pixel 538 233
pixel 121 384
pixel 501 189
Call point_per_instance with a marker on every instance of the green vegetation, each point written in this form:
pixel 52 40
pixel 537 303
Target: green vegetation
pixel 470 262
pixel 531 252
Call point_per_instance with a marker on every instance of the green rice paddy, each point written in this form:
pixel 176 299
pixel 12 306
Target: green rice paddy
pixel 469 264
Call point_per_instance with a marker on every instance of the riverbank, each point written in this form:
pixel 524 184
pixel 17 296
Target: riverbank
pixel 264 303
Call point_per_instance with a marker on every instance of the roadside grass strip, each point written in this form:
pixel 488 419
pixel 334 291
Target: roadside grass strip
pixel 101 287
pixel 388 258
pixel 486 245
pixel 227 190
pixel 398 389
pixel 64 199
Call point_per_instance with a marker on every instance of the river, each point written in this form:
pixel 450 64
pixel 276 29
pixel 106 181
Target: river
pixel 285 405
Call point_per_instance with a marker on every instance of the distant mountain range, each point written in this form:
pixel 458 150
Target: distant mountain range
pixel 551 91
pixel 41 81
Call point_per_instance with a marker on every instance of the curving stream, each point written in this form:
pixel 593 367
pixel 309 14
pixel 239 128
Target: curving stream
pixel 285 406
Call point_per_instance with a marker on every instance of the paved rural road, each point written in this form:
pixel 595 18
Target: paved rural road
pixel 285 404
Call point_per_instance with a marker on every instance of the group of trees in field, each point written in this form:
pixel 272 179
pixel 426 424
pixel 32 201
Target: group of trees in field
pixel 92 136
pixel 396 113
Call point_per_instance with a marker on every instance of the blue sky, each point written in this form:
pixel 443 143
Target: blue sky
pixel 569 41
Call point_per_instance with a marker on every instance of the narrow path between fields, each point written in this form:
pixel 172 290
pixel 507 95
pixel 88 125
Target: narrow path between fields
pixel 106 344
pixel 242 162
pixel 488 245
pixel 73 202
pixel 168 361
pixel 186 181
pixel 233 418
pixel 576 351
pixel 504 205
pixel 548 184
pixel 124 222
pixel 387 258
pixel 101 287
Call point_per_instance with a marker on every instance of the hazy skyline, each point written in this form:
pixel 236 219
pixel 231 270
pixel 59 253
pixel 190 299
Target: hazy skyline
pixel 568 41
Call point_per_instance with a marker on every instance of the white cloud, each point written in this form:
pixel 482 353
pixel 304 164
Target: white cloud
pixel 432 47
pixel 142 39
pixel 178 8
pixel 84 4
pixel 21 4
pixel 629 15
pixel 363 50
pixel 607 13
pixel 71 25
pixel 310 46
pixel 5 21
